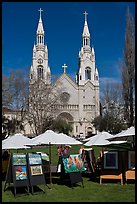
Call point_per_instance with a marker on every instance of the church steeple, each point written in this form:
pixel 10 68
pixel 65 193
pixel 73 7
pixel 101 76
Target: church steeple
pixel 40 31
pixel 86 34
pixel 40 69
pixel 86 70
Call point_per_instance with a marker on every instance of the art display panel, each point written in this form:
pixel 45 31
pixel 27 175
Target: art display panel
pixel 110 160
pixel 44 156
pixel 34 159
pixel 21 172
pixel 131 159
pixel 19 159
pixel 73 163
pixel 36 170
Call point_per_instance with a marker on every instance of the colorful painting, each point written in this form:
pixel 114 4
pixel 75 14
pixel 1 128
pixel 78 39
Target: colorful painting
pixel 21 173
pixel 110 160
pixel 131 159
pixel 19 159
pixel 36 170
pixel 44 156
pixel 34 159
pixel 73 163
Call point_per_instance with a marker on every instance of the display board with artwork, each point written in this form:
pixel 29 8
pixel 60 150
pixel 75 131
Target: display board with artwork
pixel 131 159
pixel 18 171
pixel 45 161
pixel 36 174
pixel 130 171
pixel 111 167
pixel 71 169
pixel 110 160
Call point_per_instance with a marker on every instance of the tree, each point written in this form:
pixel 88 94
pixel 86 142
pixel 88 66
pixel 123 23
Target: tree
pixel 7 94
pixel 9 126
pixel 62 126
pixel 109 124
pixel 111 118
pixel 42 105
pixel 15 95
pixel 128 70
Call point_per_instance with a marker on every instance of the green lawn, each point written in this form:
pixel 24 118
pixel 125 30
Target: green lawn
pixel 92 191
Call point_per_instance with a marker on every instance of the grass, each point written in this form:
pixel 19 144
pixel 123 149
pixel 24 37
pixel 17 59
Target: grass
pixel 109 191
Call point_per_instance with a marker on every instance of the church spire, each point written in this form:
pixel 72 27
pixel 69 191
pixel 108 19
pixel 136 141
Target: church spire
pixel 86 71
pixel 86 30
pixel 86 34
pixel 40 31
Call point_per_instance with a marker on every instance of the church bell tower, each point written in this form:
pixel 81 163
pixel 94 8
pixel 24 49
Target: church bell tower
pixel 40 69
pixel 86 70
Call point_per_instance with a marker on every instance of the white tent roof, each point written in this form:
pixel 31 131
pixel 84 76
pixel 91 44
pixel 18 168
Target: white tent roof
pixel 101 139
pixel 16 141
pixel 129 132
pixel 103 134
pixel 53 138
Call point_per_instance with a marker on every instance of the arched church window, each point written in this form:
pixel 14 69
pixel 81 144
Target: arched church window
pixel 64 97
pixel 88 73
pixel 40 72
pixel 31 76
pixel 86 41
pixel 40 38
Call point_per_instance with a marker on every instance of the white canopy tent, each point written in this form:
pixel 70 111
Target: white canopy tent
pixel 16 141
pixel 53 138
pixel 101 139
pixel 50 137
pixel 125 133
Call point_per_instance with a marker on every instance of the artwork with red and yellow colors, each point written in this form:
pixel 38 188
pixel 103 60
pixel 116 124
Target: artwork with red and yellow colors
pixel 73 163
pixel 21 173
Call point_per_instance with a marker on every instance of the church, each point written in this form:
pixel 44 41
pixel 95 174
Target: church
pixel 80 102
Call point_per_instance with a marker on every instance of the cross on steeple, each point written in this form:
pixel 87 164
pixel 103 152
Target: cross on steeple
pixel 85 15
pixel 40 12
pixel 64 66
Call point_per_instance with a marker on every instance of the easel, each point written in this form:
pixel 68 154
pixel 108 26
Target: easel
pixel 11 177
pixel 35 179
pixel 8 178
pixel 73 177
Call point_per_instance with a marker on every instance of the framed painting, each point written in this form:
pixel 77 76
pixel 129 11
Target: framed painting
pixel 19 159
pixel 34 159
pixel 73 163
pixel 36 170
pixel 21 172
pixel 131 159
pixel 44 156
pixel 110 160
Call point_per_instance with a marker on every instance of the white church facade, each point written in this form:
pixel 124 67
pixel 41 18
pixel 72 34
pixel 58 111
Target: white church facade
pixel 80 102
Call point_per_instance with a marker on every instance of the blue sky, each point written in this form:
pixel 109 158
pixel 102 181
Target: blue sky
pixel 63 24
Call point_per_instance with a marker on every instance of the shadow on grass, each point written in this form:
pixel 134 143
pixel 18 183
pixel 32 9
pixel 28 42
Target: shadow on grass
pixel 61 180
pixel 19 190
pixel 37 190
pixel 92 177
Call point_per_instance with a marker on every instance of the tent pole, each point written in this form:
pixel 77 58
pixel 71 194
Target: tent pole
pixel 50 165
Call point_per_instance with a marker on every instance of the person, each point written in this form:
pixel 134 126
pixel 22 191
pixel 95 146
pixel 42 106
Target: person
pixel 66 151
pixel 59 150
pixel 5 162
pixel 81 149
